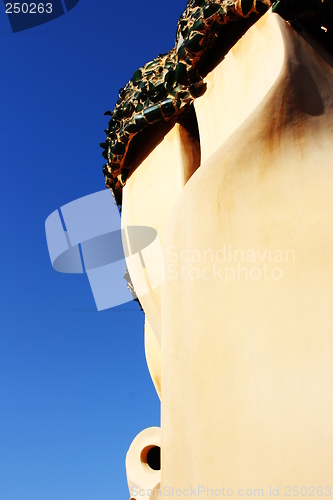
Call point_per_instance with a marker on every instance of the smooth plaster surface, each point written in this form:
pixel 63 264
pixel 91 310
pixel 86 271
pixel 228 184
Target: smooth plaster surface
pixel 247 337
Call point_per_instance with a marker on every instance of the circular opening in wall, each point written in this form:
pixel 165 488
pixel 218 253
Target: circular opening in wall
pixel 151 456
pixel 154 458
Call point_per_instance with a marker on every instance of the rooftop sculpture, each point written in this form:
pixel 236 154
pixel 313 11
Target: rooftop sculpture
pixel 238 185
pixel 165 88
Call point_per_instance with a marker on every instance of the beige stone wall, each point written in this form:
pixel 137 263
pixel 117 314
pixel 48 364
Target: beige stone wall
pixel 247 338
pixel 149 195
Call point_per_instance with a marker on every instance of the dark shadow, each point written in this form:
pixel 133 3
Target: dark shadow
pixel 154 458
pixel 145 142
pixel 229 35
pixel 307 98
pixel 319 40
pixel 189 143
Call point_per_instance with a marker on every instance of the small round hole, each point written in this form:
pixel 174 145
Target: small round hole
pixel 154 458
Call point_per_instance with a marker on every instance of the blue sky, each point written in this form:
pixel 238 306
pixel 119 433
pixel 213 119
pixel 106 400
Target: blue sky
pixel 74 385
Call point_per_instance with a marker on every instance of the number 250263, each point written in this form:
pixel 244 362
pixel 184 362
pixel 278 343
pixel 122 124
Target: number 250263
pixel 28 8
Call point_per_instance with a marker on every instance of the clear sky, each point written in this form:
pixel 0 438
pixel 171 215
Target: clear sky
pixel 74 385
